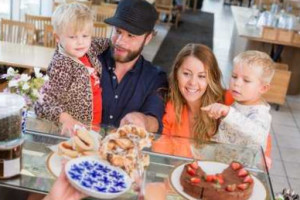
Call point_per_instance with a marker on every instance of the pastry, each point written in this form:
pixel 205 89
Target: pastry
pixel 65 148
pixel 81 144
pixel 83 141
pixel 123 147
pixel 124 143
pixel 89 153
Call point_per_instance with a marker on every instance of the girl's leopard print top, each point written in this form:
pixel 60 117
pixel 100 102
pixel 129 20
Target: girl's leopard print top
pixel 69 87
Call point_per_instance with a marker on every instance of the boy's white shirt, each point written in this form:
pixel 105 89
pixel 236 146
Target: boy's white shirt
pixel 245 125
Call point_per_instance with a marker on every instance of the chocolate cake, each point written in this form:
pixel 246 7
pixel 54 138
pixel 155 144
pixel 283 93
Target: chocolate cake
pixel 234 183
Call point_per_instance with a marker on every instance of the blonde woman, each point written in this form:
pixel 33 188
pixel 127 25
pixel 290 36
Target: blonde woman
pixel 195 82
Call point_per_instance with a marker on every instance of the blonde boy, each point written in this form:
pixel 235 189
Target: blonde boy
pixel 247 121
pixel 73 94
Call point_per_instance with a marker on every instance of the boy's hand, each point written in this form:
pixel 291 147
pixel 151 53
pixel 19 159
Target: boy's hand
pixel 216 110
pixel 68 123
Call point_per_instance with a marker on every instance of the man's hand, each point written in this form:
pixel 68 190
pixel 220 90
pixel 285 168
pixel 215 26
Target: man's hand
pixel 68 123
pixel 147 122
pixel 216 110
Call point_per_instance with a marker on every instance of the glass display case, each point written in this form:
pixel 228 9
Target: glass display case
pixel 36 174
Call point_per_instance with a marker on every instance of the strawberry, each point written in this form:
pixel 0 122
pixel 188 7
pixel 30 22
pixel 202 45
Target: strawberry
pixel 243 186
pixel 210 178
pixel 194 165
pixel 230 188
pixel 191 171
pixel 248 179
pixel 242 172
pixel 235 166
pixel 195 180
pixel 219 178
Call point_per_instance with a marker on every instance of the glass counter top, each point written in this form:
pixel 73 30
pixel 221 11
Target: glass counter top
pixel 165 154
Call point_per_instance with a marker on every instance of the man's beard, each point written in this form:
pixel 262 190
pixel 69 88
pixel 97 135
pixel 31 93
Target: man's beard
pixel 131 55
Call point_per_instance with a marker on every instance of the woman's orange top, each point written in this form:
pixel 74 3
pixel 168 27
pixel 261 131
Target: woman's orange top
pixel 170 127
pixel 175 139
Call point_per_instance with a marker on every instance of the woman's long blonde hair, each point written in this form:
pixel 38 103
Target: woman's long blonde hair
pixel 204 126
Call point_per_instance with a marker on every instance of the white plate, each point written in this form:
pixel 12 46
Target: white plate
pixel 97 178
pixel 54 163
pixel 259 191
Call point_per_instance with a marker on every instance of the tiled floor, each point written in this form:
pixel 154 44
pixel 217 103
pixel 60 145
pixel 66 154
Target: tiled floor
pixel 285 172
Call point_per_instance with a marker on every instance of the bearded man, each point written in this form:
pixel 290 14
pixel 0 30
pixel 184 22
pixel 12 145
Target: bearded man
pixel 131 85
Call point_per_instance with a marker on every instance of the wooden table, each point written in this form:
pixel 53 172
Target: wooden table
pixel 247 37
pixel 25 56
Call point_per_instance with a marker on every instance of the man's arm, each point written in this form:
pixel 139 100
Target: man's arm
pixel 154 104
pixel 151 112
pixel 148 122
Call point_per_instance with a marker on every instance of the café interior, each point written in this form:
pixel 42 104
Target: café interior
pixel 228 27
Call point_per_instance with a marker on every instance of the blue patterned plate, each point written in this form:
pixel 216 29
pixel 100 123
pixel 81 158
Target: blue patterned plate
pixel 97 178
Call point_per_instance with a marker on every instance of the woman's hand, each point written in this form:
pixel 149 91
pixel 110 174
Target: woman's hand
pixel 63 190
pixel 68 123
pixel 216 110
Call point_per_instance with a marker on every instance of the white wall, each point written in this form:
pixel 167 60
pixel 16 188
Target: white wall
pixel 16 9
pixel 46 9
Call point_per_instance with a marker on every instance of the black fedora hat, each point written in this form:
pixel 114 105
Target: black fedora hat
pixel 135 16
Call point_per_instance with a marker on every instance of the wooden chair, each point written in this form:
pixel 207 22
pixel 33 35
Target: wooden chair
pixel 57 3
pixel 96 2
pixel 17 32
pixel 103 12
pixel 279 85
pixel 39 22
pixel 295 4
pixel 49 39
pixel 100 29
pixel 3 85
pixel 111 5
pixel 167 7
pixel 87 3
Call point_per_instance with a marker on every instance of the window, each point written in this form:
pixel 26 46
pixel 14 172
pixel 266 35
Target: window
pixel 32 7
pixel 5 9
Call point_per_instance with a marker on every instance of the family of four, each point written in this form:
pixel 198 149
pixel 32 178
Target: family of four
pixel 108 81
